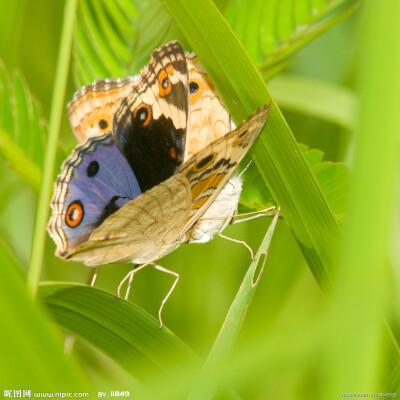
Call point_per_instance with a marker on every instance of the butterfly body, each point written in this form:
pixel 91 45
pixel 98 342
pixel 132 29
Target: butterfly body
pixel 172 145
pixel 219 214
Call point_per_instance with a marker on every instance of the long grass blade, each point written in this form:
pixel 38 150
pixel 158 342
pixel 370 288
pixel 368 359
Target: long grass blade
pixel 355 327
pixel 206 386
pixel 38 240
pixel 276 153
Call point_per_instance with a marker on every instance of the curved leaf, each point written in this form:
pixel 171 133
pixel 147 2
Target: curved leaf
pixel 118 328
pixel 333 103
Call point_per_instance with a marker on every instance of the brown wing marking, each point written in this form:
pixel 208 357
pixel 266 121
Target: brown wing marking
pixel 143 230
pixel 208 178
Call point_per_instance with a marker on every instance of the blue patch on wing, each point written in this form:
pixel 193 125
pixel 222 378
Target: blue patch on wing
pixel 95 181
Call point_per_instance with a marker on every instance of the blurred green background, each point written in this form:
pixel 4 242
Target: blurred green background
pixel 286 338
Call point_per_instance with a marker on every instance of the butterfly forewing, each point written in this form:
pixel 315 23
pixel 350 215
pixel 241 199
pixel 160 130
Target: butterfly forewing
pixel 92 108
pixel 150 125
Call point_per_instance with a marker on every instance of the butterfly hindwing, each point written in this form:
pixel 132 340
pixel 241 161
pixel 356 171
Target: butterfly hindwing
pixel 156 222
pixel 87 191
pixel 208 117
pixel 150 125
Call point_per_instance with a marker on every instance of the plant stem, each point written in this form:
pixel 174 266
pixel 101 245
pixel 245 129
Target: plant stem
pixel 60 83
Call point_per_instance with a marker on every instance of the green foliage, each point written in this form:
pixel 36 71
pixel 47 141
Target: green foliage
pixel 281 28
pixel 332 178
pixel 22 129
pixel 29 346
pixel 290 342
pixel 276 153
pixel 124 332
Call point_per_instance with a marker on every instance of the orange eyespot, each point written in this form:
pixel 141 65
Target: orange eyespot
pixel 164 83
pixel 74 214
pixel 143 114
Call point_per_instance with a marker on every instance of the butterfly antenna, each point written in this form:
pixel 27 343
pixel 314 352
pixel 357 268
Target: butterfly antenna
pixel 246 168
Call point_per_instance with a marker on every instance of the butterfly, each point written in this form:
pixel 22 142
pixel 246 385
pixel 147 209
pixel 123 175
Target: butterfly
pixel 155 166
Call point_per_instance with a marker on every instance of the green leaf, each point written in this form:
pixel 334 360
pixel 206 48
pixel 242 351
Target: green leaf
pixel 364 292
pixel 276 153
pixel 30 355
pixel 112 41
pixel 104 38
pixel 331 176
pixel 279 28
pixel 118 328
pixel 206 385
pixel 28 171
pixel 22 129
pixel 330 102
pixel 60 82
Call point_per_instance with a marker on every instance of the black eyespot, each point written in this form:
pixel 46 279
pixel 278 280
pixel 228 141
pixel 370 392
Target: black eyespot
pixel 243 133
pixel 103 124
pixel 220 163
pixel 92 169
pixel 165 83
pixel 193 87
pixel 142 114
pixel 205 161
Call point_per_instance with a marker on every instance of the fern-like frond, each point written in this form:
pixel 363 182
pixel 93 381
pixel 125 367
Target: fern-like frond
pixel 103 39
pixel 22 129
pixel 272 31
pixel 114 38
pixel 332 178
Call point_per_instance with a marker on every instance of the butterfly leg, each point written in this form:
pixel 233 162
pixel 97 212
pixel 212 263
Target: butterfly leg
pixel 267 212
pixel 238 241
pixel 93 276
pixel 250 215
pixel 130 277
pixel 162 269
